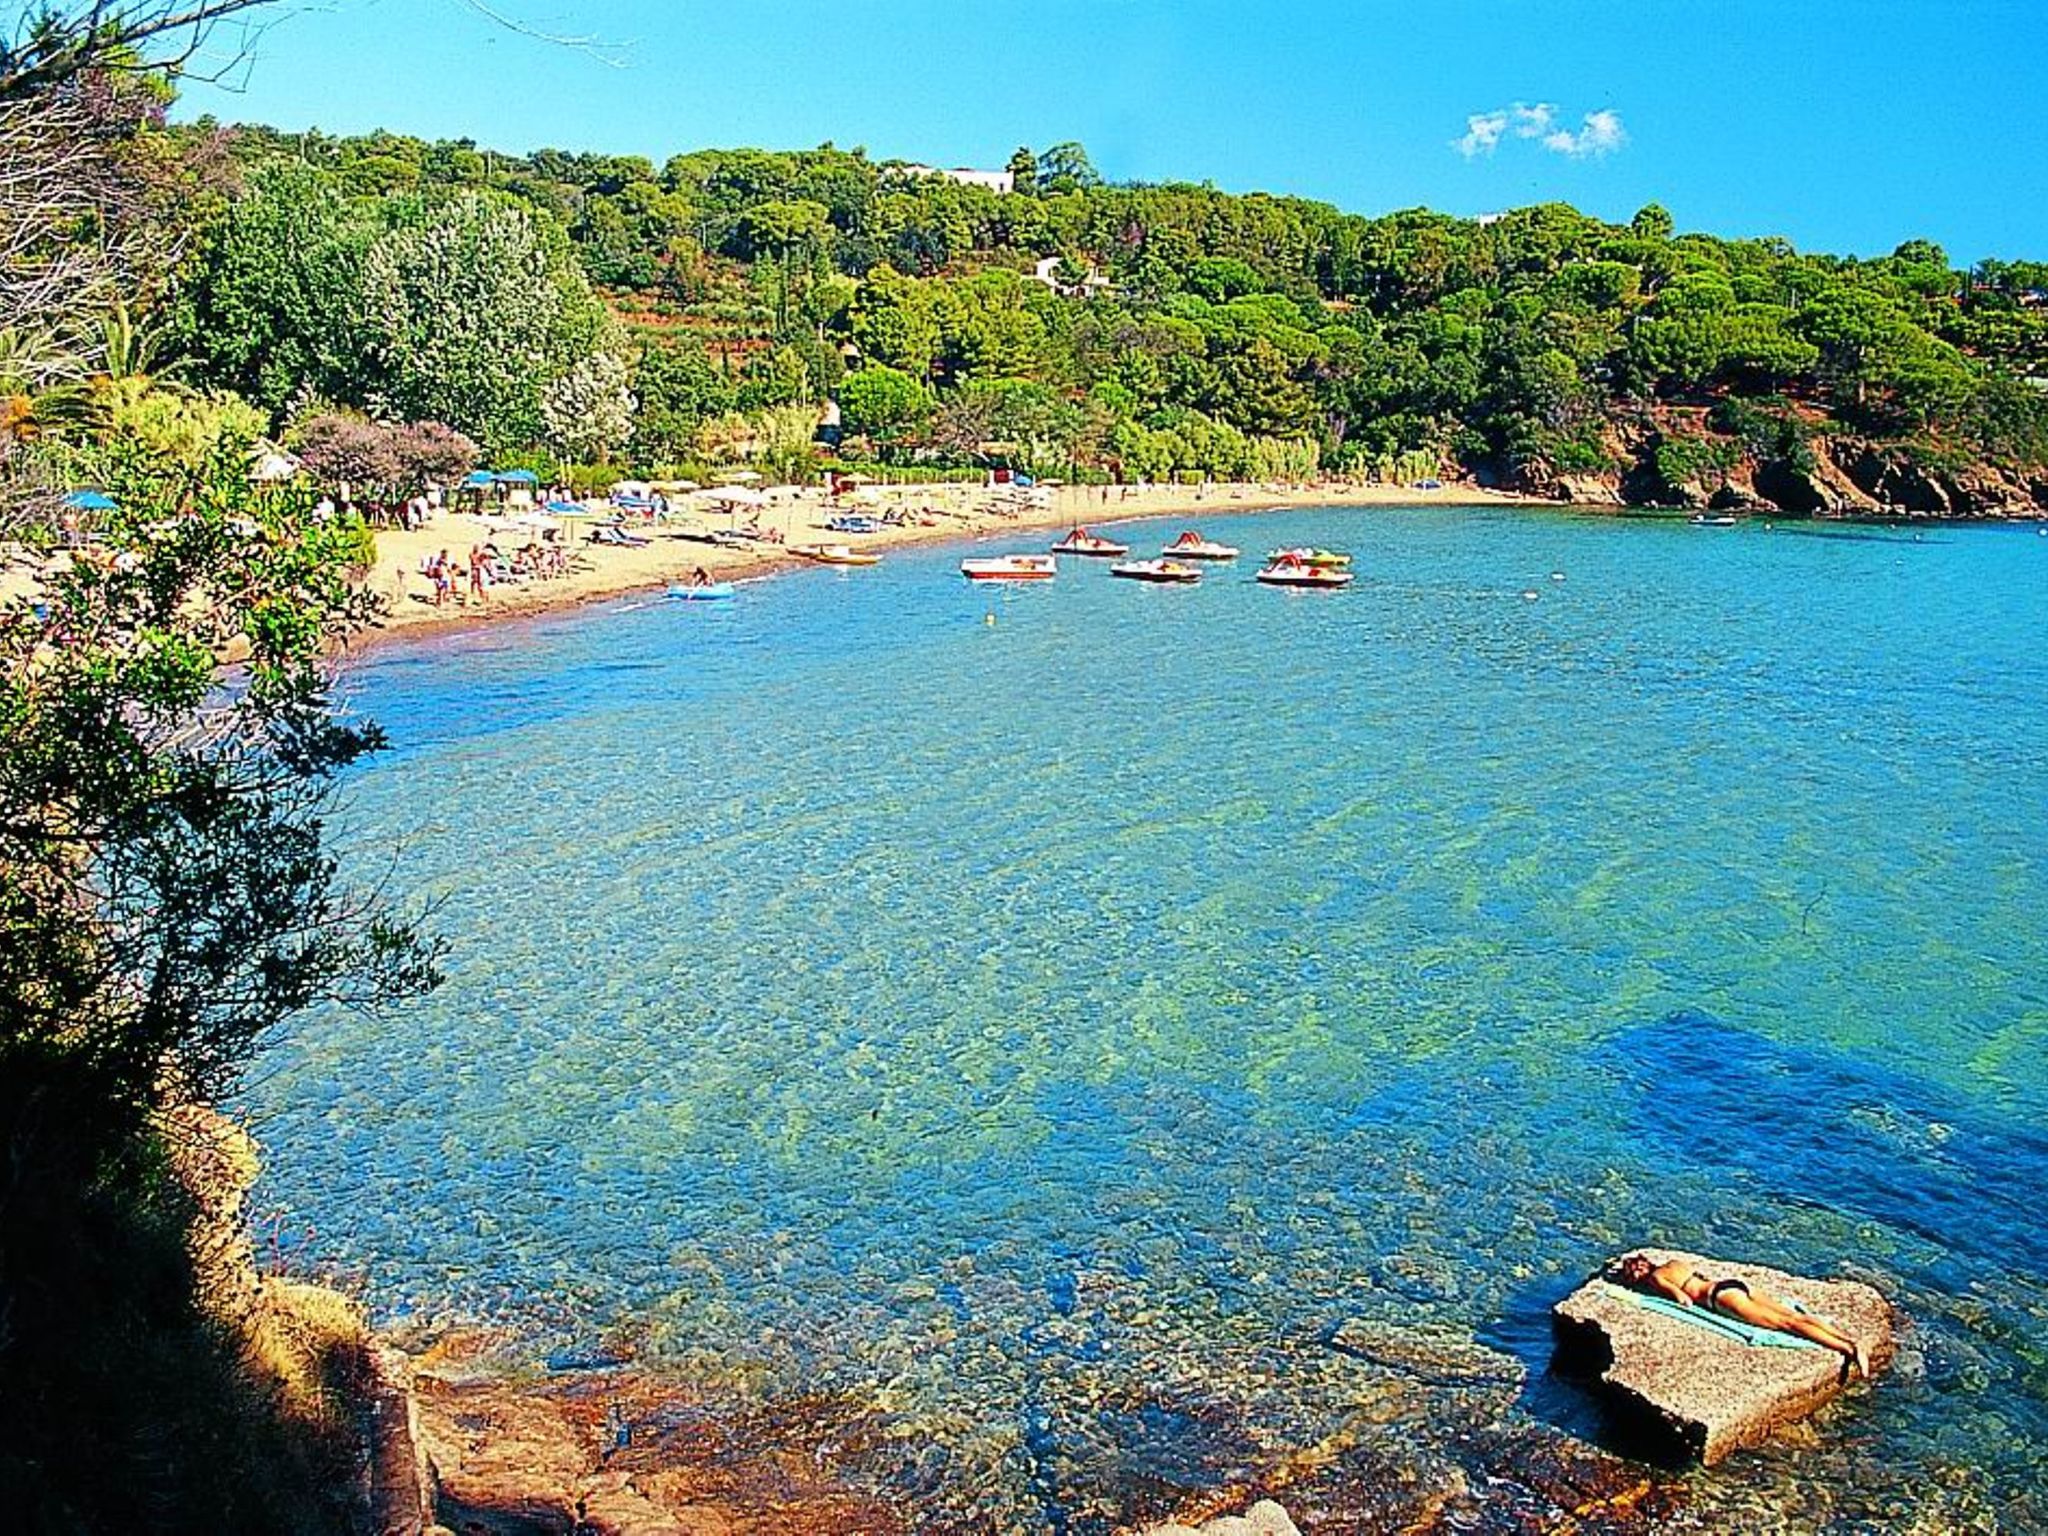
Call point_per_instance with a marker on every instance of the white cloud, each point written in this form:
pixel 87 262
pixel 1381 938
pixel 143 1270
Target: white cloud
pixel 1482 132
pixel 1599 133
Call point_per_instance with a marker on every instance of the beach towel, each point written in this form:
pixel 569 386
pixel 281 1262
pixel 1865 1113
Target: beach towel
pixel 1719 1322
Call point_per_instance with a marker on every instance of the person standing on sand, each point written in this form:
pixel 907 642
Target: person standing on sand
pixel 476 572
pixel 437 571
pixel 1680 1282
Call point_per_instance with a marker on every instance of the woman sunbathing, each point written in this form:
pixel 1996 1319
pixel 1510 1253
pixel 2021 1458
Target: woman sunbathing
pixel 1681 1282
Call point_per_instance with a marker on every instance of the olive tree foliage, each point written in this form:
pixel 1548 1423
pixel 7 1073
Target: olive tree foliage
pixel 470 311
pixel 588 411
pixel 459 318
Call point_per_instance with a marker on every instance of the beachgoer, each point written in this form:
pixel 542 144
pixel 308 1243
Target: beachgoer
pixel 1681 1282
pixel 437 568
pixel 700 577
pixel 476 572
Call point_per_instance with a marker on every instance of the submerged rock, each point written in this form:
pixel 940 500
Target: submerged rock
pixel 1685 1389
pixel 1264 1518
pixel 627 1452
pixel 1432 1353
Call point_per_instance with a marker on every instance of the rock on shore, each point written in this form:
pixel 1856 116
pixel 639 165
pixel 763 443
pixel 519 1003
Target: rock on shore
pixel 1687 1391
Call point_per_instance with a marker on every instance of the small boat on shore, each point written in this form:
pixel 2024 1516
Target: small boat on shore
pixel 709 592
pixel 1318 559
pixel 1082 542
pixel 1161 571
pixel 834 554
pixel 1192 546
pixel 1289 570
pixel 1011 568
pixel 1711 520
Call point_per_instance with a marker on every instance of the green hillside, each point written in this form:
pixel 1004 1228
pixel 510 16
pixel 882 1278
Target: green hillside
pixel 1179 330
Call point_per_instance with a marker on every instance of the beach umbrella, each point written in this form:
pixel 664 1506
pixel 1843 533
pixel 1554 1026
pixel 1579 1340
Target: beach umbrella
pixel 89 501
pixel 571 513
pixel 737 475
pixel 477 480
pixel 517 477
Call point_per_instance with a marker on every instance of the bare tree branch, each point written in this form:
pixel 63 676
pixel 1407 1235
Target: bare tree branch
pixel 46 45
pixel 608 54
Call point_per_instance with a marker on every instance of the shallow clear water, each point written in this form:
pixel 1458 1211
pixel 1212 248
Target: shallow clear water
pixel 855 984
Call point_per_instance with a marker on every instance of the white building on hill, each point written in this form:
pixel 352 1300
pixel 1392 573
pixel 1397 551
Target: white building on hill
pixel 995 181
pixel 1092 281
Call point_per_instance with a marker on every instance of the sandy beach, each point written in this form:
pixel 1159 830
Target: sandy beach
pixel 680 546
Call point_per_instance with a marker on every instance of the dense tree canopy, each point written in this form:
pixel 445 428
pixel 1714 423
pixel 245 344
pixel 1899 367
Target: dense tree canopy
pixel 466 308
pixel 414 278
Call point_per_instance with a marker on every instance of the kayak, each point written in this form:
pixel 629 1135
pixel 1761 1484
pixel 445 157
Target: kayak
pixel 717 591
pixel 1192 546
pixel 1011 568
pixel 1157 570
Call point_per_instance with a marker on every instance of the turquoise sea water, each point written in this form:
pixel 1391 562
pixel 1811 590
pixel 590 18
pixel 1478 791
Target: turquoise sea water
pixel 1008 1004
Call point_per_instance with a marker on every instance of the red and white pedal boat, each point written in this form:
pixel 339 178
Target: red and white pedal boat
pixel 1290 570
pixel 1192 546
pixel 1082 542
pixel 1011 568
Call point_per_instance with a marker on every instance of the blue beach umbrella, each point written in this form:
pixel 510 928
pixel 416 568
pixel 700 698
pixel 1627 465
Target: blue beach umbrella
pixel 89 501
pixel 571 513
pixel 479 479
pixel 519 477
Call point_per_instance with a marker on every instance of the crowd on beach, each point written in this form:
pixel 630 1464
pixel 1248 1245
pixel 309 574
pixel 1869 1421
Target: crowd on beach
pixel 551 549
pixel 487 566
pixel 531 547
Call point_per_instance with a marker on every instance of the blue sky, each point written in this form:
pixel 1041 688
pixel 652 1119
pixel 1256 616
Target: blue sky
pixel 1845 126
